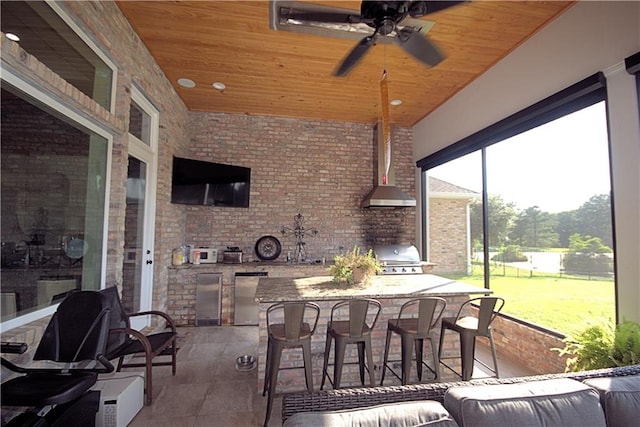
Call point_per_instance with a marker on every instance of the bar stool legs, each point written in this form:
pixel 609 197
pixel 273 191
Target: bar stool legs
pixel 413 330
pixel 364 351
pixel 352 331
pixel 470 327
pixel 325 363
pixel 274 353
pixel 271 376
pixel 408 346
pixel 294 332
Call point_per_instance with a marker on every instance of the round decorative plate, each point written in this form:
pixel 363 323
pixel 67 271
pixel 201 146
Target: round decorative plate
pixel 268 248
pixel 76 248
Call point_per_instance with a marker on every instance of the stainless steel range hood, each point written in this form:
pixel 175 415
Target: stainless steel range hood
pixel 385 194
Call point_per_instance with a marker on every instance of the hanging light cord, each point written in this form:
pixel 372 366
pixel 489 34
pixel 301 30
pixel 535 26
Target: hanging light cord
pixel 386 127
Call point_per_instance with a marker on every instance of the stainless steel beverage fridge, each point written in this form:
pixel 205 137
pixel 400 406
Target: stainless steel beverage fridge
pixel 246 308
pixel 208 299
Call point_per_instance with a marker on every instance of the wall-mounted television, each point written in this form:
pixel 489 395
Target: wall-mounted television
pixel 196 182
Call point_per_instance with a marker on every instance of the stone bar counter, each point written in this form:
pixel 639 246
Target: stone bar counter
pixel 391 290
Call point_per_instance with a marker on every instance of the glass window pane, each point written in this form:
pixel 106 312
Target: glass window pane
pixel 139 123
pixel 548 221
pixel 555 249
pixel 53 202
pixel 46 36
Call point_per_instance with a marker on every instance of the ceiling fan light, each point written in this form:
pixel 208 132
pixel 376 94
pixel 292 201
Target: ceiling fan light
pixel 188 83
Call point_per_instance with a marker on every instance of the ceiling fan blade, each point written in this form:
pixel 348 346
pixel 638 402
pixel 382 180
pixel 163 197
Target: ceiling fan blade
pixel 326 17
pixel 422 8
pixel 354 56
pixel 418 46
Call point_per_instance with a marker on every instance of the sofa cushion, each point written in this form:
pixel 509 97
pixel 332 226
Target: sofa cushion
pixel 554 402
pixel 405 414
pixel 620 398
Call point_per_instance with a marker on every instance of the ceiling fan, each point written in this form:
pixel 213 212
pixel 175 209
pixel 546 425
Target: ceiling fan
pixel 379 21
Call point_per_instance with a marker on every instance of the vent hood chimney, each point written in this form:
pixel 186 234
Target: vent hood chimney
pixel 385 194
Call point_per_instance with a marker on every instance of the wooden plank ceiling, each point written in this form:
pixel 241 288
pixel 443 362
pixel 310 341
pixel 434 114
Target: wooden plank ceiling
pixel 285 74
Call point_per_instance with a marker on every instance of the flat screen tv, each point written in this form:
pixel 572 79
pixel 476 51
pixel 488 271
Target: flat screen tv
pixel 196 182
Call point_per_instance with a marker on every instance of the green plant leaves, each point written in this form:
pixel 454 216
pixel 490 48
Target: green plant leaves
pixel 600 345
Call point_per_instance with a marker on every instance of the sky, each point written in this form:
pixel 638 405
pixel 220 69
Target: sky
pixel 557 166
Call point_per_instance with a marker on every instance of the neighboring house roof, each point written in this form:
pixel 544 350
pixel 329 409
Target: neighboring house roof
pixel 446 190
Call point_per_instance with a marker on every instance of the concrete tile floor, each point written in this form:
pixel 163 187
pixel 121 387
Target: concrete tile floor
pixel 208 391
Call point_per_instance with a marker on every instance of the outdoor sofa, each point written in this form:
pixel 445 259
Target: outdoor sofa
pixel 604 397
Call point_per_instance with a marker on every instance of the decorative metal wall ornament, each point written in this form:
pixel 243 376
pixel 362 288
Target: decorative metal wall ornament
pixel 299 232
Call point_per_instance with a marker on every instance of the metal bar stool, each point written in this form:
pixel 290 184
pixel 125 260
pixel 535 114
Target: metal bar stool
pixel 413 329
pixel 470 327
pixel 294 332
pixel 352 331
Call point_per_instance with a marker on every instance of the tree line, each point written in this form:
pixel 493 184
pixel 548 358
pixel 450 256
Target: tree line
pixel 533 228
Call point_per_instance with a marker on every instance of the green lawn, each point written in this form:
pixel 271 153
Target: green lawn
pixel 562 304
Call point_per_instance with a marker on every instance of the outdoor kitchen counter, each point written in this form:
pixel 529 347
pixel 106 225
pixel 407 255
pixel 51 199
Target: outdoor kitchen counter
pixel 391 290
pixel 318 288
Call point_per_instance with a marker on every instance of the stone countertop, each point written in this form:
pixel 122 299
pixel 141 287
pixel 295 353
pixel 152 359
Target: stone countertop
pixel 250 265
pixel 275 289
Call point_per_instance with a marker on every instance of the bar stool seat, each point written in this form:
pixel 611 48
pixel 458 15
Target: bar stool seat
pixel 354 330
pixel 413 331
pixel 294 332
pixel 278 332
pixel 470 327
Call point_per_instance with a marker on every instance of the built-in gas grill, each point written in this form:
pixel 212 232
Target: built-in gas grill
pixel 400 259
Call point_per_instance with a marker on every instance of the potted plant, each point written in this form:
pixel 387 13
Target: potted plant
pixel 354 266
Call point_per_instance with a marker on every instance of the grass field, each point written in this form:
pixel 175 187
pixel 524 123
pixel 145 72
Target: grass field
pixel 563 304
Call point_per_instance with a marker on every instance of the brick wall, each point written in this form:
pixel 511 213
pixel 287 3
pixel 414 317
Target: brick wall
pixel 105 24
pixel 448 235
pixel 320 169
pixel 529 346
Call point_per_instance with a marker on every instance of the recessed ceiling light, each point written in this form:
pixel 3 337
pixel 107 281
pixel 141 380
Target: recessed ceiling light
pixel 396 102
pixel 219 86
pixel 186 83
pixel 13 37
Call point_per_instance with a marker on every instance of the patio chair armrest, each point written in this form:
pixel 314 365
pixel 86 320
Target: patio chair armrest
pixel 144 341
pixel 165 316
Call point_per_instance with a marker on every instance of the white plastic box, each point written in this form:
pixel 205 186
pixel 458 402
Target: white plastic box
pixel 121 397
